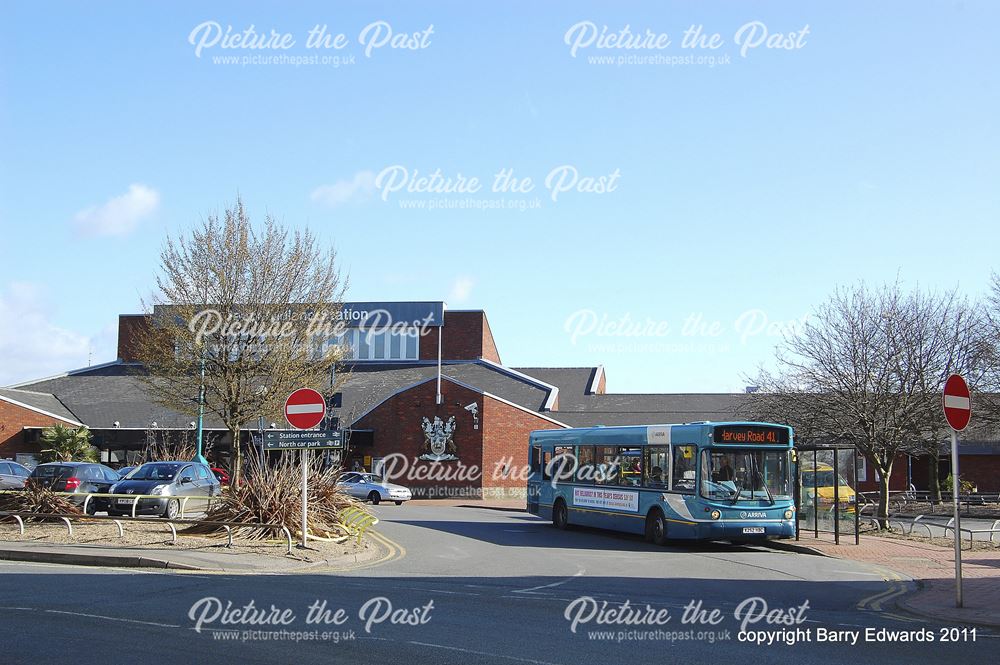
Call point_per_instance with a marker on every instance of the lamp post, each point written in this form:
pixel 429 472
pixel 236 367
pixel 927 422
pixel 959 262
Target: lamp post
pixel 198 456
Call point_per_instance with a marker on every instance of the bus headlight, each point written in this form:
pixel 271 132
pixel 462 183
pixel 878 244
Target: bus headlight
pixel 789 514
pixel 715 514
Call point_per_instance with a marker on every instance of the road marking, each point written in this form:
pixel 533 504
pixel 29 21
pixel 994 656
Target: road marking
pixel 396 551
pixel 549 586
pixel 492 654
pixel 107 618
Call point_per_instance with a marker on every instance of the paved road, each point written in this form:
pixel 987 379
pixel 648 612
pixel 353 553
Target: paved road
pixel 481 586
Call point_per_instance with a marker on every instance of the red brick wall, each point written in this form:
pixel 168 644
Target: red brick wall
pixel 129 325
pixel 505 444
pixel 397 425
pixel 983 470
pixel 502 439
pixel 489 344
pixel 13 419
pixel 466 337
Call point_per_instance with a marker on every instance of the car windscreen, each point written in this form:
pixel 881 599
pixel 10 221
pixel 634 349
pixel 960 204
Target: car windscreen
pixel 155 472
pixel 51 472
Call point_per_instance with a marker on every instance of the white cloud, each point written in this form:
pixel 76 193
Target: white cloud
pixel 119 215
pixel 461 289
pixel 361 187
pixel 32 346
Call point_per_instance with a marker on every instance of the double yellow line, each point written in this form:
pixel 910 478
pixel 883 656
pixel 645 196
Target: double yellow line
pixel 394 551
pixel 876 602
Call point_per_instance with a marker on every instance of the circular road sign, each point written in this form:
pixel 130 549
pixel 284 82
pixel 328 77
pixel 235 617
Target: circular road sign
pixel 305 408
pixel 957 402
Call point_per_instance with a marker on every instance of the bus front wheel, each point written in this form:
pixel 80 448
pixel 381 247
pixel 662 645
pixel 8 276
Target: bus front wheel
pixel 656 528
pixel 560 515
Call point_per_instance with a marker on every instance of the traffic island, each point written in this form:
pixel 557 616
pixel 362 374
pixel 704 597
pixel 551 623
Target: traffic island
pixel 151 546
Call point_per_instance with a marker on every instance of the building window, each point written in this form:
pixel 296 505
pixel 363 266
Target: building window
pixel 385 345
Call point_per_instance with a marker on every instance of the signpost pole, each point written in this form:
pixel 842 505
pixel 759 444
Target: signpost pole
pixel 305 496
pixel 955 485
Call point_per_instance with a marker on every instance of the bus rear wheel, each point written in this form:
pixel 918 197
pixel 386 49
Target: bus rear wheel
pixel 560 515
pixel 656 528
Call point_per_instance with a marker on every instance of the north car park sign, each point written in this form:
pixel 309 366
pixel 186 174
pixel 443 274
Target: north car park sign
pixel 278 439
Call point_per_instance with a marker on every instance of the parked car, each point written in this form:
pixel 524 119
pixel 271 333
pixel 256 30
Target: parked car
pixel 167 479
pixel 221 474
pixel 79 478
pixel 13 475
pixel 369 487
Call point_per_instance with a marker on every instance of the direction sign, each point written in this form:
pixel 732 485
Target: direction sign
pixel 290 439
pixel 305 408
pixel 957 402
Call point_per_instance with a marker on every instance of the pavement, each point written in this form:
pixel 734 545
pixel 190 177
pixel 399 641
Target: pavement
pixel 216 560
pixel 932 567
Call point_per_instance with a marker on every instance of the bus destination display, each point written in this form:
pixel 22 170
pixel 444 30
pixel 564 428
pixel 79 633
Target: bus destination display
pixel 750 434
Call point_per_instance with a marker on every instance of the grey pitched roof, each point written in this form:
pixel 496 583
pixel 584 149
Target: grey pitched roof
pixel 40 401
pixel 369 384
pixel 572 382
pixel 644 409
pixel 110 393
pixel 101 396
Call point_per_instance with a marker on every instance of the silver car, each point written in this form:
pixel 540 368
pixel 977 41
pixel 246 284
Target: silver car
pixel 13 475
pixel 369 487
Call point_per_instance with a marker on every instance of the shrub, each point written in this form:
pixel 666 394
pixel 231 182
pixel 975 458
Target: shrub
pixel 37 499
pixel 273 495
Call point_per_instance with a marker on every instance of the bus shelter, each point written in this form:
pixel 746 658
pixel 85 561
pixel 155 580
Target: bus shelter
pixel 826 490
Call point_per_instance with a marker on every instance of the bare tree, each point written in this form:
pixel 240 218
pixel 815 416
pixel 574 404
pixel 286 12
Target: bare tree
pixel 250 310
pixel 867 369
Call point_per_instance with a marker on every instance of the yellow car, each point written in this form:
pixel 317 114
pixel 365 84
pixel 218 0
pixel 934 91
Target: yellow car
pixel 818 490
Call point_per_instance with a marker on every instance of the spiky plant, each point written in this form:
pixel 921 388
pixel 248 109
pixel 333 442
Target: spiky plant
pixel 37 499
pixel 273 495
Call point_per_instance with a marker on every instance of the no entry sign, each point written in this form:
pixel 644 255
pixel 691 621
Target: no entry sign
pixel 957 402
pixel 305 408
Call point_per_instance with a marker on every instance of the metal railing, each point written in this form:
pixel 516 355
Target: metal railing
pixel 228 526
pixel 915 522
pixel 87 496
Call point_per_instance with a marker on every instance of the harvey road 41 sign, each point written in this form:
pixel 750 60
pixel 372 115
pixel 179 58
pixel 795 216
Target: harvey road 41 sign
pixel 277 439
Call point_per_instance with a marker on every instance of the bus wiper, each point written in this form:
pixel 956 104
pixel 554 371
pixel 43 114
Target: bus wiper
pixel 762 481
pixel 737 490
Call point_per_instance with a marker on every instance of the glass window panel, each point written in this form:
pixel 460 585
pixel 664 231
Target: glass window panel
pixel 657 467
pixel 412 352
pixel 683 478
pixel 396 346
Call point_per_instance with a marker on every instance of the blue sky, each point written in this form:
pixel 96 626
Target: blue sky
pixel 746 192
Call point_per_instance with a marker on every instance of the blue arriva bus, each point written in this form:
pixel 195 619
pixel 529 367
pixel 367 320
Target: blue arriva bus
pixel 699 481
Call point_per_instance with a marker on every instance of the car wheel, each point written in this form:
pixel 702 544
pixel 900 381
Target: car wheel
pixel 560 515
pixel 173 507
pixel 399 503
pixel 91 508
pixel 374 497
pixel 656 528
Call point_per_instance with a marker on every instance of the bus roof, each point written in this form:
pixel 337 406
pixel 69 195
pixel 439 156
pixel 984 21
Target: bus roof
pixel 626 434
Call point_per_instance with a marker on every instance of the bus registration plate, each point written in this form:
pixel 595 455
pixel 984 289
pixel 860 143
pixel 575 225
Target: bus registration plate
pixel 753 529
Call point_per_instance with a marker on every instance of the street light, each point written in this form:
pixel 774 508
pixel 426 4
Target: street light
pixel 198 456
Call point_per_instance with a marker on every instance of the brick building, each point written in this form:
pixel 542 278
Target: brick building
pixel 391 405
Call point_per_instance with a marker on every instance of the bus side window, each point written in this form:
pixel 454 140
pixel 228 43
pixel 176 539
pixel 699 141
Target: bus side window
pixel 657 467
pixel 563 464
pixel 585 459
pixel 546 467
pixel 631 466
pixel 608 465
pixel 536 459
pixel 684 469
